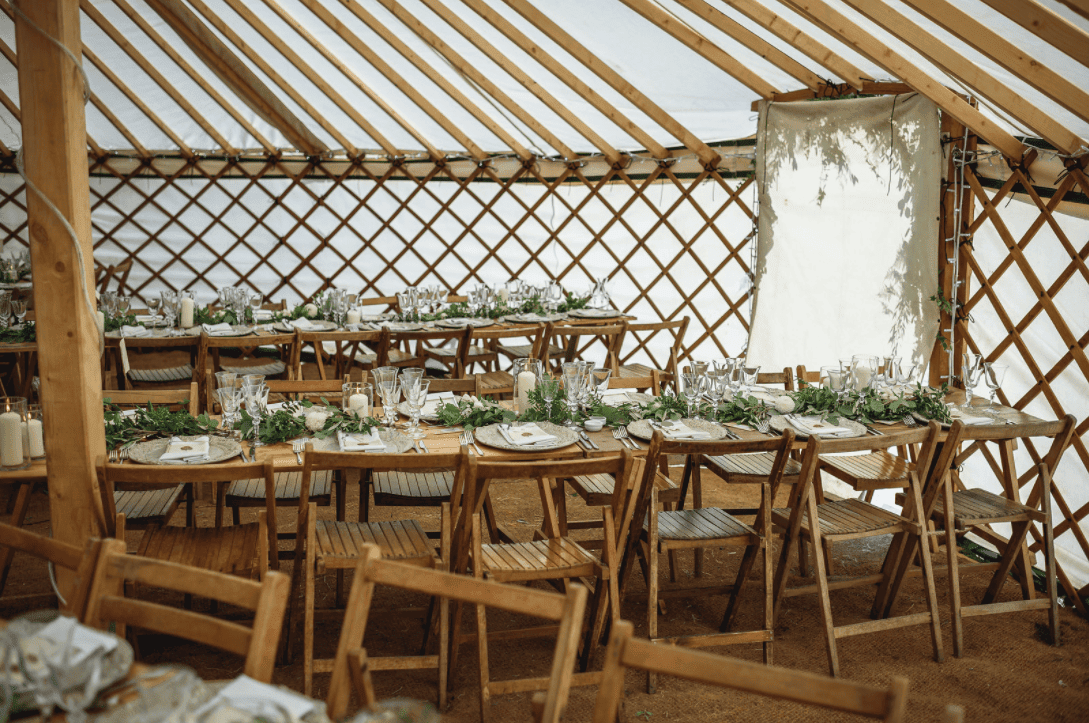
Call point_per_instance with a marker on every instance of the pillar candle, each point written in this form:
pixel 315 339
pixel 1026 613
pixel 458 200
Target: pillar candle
pixel 186 316
pixel 526 382
pixel 359 404
pixel 862 378
pixel 101 320
pixel 11 439
pixel 353 316
pixel 37 441
pixel 504 295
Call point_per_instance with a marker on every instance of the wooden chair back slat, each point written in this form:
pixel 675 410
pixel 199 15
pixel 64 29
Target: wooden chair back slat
pixel 79 560
pixel 267 599
pixel 348 347
pixel 189 398
pixel 571 340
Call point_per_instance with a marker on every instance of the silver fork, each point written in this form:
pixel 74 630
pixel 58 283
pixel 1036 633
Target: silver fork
pixel 122 454
pixel 616 436
pixel 909 421
pixel 764 427
pixel 297 447
pixel 627 438
pixel 472 441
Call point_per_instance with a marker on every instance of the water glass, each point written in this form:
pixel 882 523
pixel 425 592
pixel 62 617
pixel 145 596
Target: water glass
pixel 384 374
pixel 993 375
pixel 599 378
pixel 226 379
pixel 416 397
pixel 18 307
pixel 5 309
pixel 692 387
pixel 886 375
pixel 229 401
pixel 863 370
pixel 972 377
pixel 572 382
pixel 391 394
pixel 749 375
pixel 549 387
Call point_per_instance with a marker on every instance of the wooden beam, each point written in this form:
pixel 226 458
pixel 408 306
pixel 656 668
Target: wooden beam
pixel 410 55
pixel 55 154
pixel 238 77
pixel 1009 56
pixel 1081 7
pixel 761 15
pixel 836 24
pixel 727 25
pixel 510 67
pixel 256 58
pixel 1047 25
pixel 196 77
pixel 384 68
pixel 707 155
pixel 102 22
pixel 702 46
pixel 969 73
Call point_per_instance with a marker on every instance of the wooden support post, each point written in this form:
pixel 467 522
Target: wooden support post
pixel 55 151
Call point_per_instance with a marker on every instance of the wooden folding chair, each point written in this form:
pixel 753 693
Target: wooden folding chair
pixel 153 507
pixel 267 599
pixel 962 510
pixel 550 557
pixel 352 665
pixel 209 361
pixel 496 382
pixel 575 342
pixel 179 375
pixel 367 349
pixel 80 561
pixel 336 545
pixel 669 530
pixel 850 519
pixel 643 334
pixel 239 549
pixel 412 347
pixel 626 651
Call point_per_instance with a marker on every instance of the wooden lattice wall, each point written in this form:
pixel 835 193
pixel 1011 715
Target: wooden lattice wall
pixel 674 244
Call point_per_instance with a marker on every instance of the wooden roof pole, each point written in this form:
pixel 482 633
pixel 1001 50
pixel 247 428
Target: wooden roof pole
pixel 55 153
pixel 761 15
pixel 359 46
pixel 702 46
pixel 123 43
pixel 727 25
pixel 193 74
pixel 232 71
pixel 969 73
pixel 285 86
pixel 470 71
pixel 391 75
pixel 138 102
pixel 1047 25
pixel 561 71
pixel 839 26
pixel 707 155
pixel 1006 54
pixel 1081 7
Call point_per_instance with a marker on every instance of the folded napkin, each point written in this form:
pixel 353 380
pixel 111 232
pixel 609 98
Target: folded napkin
pixel 360 442
pixel 680 430
pixel 958 415
pixel 245 694
pixel 301 323
pixel 436 400
pixel 134 330
pixel 178 451
pixel 148 318
pixel 813 424
pixel 762 395
pixel 528 433
pixel 217 329
pixel 85 641
pixel 262 314
pixel 615 396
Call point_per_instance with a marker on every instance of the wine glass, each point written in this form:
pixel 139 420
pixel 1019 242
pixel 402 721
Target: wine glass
pixel 693 386
pixel 18 307
pixel 863 370
pixel 715 388
pixel 169 299
pixel 416 396
pixel 600 379
pixel 153 305
pixel 993 374
pixel 572 382
pixel 64 670
pixel 255 305
pixel 228 402
pixel 548 387
pixel 554 296
pixel 887 372
pixel 972 377
pixel 390 389
pixel 123 304
pixel 749 375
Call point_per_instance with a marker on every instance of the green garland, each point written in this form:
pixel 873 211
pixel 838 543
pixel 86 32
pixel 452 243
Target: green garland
pixel 23 335
pixel 461 310
pixel 115 322
pixel 473 413
pixel 151 422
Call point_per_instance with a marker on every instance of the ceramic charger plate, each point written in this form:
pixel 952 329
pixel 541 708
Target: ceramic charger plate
pixel 597 313
pixel 315 325
pixel 491 436
pixel 779 423
pixel 220 449
pixel 460 322
pixel 642 429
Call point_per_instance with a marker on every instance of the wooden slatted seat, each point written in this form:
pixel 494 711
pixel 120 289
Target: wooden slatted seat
pixel 666 531
pixel 251 493
pixel 144 508
pixel 748 468
pixel 877 470
pixel 165 375
pixel 232 550
pixel 155 345
pixel 415 348
pixel 522 561
pixel 269 369
pixel 338 545
pixel 854 519
pixel 975 506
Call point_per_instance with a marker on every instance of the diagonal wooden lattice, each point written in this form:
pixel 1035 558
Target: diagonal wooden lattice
pixel 992 292
pixel 351 226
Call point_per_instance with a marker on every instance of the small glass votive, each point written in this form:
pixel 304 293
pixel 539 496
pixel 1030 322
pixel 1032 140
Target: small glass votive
pixel 13 418
pixel 357 397
pixel 35 432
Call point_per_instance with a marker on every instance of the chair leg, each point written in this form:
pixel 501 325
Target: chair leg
pixel 652 605
pixel 803 557
pixel 236 515
pixel 822 588
pixel 735 594
pixel 1010 557
pixel 931 594
pixel 1049 560
pixel 953 573
pixel 444 650
pixel 308 626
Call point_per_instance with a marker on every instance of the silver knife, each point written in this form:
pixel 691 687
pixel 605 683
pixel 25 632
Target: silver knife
pixel 586 438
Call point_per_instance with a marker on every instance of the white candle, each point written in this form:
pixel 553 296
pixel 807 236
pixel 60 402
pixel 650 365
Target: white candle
pixel 504 295
pixel 862 378
pixel 359 404
pixel 186 315
pixel 526 382
pixel 354 316
pixel 311 310
pixel 11 439
pixel 101 320
pixel 37 441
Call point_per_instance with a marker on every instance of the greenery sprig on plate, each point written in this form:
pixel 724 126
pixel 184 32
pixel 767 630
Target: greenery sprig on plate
pixel 115 322
pixel 151 422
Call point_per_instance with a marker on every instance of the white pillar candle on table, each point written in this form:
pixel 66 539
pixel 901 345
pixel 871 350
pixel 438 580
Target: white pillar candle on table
pixel 101 320
pixel 37 440
pixel 354 316
pixel 186 316
pixel 526 382
pixel 504 295
pixel 862 378
pixel 359 404
pixel 11 439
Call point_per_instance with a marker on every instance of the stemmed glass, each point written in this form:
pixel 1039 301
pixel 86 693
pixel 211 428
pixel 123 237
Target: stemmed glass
pixel 390 389
pixel 863 369
pixel 74 699
pixel 416 396
pixel 228 402
pixel 548 387
pixel 255 305
pixel 599 379
pixel 749 375
pixel 716 382
pixel 693 387
pixel 993 374
pixel 887 373
pixel 18 307
pixel 170 301
pixel 972 376
pixel 5 309
pixel 573 383
pixel 554 296
pixel 153 306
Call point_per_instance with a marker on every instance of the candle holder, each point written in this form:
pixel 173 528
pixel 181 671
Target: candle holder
pixel 13 448
pixel 525 380
pixel 357 397
pixel 35 437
